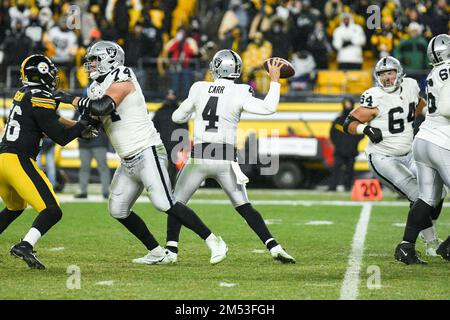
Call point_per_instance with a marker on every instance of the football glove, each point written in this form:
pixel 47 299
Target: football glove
pixel 374 134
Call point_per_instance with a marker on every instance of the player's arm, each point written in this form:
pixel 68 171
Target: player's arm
pixel 67 122
pixel 444 100
pixel 270 103
pixel 355 123
pixel 420 107
pixel 184 112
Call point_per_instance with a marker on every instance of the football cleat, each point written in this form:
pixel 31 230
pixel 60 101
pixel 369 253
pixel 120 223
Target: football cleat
pixel 431 247
pixel 26 253
pixel 279 254
pixel 172 256
pixel 155 256
pixel 406 253
pixel 444 249
pixel 218 249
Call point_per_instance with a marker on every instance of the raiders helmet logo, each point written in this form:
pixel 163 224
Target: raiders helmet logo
pixel 217 62
pixel 111 51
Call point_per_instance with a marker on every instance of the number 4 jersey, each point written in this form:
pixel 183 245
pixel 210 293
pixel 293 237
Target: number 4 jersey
pixel 129 127
pixel 395 117
pixel 436 127
pixel 218 106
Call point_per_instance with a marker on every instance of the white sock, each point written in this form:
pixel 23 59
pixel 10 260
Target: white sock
pixel 429 234
pixel 172 244
pixel 211 237
pixel 32 236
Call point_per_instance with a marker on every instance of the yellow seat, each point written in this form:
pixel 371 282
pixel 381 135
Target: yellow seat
pixel 330 82
pixel 358 81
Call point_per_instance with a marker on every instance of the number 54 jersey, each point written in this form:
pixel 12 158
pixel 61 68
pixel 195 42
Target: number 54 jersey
pixel 395 117
pixel 129 127
pixel 436 127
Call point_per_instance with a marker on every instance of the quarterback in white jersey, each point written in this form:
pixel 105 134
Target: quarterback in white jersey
pixel 218 107
pixel 431 151
pixel 116 98
pixel 386 115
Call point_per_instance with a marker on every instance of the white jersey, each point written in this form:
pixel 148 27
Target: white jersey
pixel 436 127
pixel 395 117
pixel 218 106
pixel 129 127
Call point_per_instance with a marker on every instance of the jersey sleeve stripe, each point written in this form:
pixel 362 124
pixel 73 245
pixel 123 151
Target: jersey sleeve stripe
pixel 43 105
pixel 45 100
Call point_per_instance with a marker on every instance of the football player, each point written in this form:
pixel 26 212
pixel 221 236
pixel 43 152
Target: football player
pixel 431 151
pixel 115 97
pixel 218 106
pixel 386 115
pixel 33 115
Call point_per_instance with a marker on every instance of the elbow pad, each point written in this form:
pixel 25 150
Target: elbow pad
pixel 100 107
pixel 347 122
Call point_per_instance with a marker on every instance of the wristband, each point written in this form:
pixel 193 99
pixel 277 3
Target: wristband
pixel 360 128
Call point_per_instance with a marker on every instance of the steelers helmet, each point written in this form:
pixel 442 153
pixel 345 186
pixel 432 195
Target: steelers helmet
pixel 102 57
pixel 226 64
pixel 38 70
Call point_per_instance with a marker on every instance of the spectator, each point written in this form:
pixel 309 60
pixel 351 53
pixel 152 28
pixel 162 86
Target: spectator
pixel 304 22
pixel 333 8
pixel 117 13
pixel 135 45
pixel 181 50
pixel 412 53
pixel 107 31
pixel 305 71
pixel 279 38
pixel 165 126
pixel 35 31
pixel 93 148
pixel 348 40
pixel 345 150
pixel 235 16
pixel 48 149
pixel 257 51
pixel 234 41
pixel 19 12
pixel 319 46
pixel 384 39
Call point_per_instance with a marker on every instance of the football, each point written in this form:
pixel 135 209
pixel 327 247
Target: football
pixel 287 70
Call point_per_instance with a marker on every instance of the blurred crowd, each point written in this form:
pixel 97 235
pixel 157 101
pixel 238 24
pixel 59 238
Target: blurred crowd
pixel 170 42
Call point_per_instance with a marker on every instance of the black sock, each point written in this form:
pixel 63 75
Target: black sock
pixel 7 217
pixel 47 218
pixel 172 249
pixel 139 229
pixel 256 222
pixel 173 229
pixel 419 218
pixel 437 211
pixel 189 219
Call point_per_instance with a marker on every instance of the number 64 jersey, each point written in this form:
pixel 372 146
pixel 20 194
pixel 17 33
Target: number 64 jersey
pixel 436 127
pixel 129 127
pixel 395 118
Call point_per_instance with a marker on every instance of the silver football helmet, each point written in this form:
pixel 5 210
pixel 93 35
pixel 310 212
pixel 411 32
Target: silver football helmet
pixel 103 57
pixel 386 64
pixel 226 64
pixel 438 50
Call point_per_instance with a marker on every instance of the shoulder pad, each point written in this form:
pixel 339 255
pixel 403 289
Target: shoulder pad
pixel 369 98
pixel 121 74
pixel 42 99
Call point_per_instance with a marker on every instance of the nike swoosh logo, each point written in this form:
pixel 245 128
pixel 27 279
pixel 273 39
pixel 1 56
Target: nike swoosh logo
pixel 404 252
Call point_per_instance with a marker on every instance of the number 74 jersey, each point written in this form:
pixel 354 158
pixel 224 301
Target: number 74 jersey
pixel 129 127
pixel 395 117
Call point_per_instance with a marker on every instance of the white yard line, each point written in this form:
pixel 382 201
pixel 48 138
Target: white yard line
pixel 349 289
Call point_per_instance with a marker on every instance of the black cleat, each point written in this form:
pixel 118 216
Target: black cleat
pixel 406 253
pixel 25 252
pixel 444 249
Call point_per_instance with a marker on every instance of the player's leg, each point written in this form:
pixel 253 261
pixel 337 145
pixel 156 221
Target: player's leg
pixel 14 206
pixel 124 192
pixel 85 171
pixel 187 182
pixel 156 180
pixel 238 196
pixel 32 185
pixel 99 154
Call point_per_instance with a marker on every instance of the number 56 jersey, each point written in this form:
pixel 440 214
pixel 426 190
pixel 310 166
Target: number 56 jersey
pixel 129 127
pixel 395 117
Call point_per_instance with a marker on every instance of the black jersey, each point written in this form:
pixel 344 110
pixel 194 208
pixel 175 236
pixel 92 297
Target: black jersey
pixel 32 115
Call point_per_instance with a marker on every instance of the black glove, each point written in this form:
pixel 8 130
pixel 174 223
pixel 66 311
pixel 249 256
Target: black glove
pixel 374 134
pixel 346 43
pixel 83 107
pixel 89 131
pixel 63 97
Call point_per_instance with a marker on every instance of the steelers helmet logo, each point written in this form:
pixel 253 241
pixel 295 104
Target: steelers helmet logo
pixel 43 67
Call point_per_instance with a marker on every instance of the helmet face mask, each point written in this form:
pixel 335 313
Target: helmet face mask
pixel 226 64
pixel 38 70
pixel 103 57
pixel 388 74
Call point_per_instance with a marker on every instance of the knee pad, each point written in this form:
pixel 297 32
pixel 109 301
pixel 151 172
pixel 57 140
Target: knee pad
pixel 118 210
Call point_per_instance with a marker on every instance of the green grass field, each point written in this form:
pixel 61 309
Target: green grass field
pixel 102 249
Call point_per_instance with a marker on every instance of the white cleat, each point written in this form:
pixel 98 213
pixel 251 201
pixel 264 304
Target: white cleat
pixel 218 249
pixel 156 256
pixel 431 247
pixel 172 257
pixel 279 254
